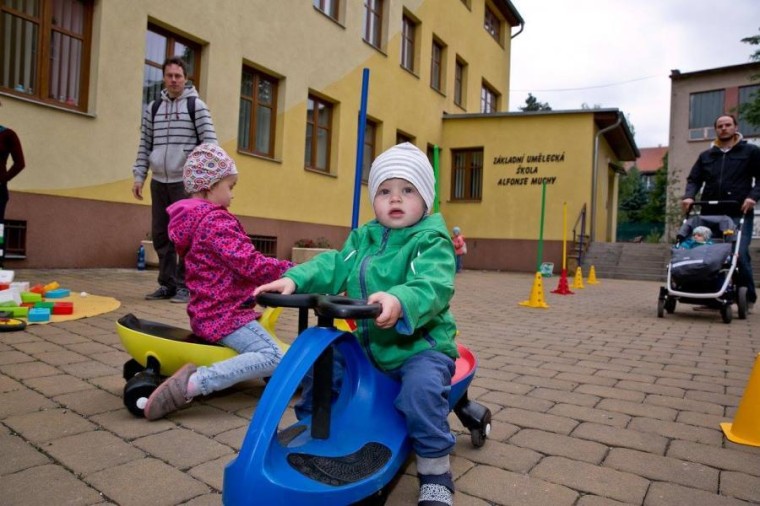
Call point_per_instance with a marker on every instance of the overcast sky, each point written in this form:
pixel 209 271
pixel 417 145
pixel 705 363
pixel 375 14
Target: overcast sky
pixel 620 53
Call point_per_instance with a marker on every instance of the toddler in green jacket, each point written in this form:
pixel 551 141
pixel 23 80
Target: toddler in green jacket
pixel 404 261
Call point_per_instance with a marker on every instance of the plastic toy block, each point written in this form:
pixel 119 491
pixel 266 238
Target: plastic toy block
pixel 37 289
pixel 39 314
pixel 57 293
pixel 6 276
pixel 51 286
pixel 4 286
pixel 63 308
pixel 31 296
pixel 23 286
pixel 8 303
pixel 28 304
pixel 19 311
pixel 46 304
pixel 11 294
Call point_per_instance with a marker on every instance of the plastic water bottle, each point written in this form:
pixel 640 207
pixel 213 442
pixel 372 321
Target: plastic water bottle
pixel 141 258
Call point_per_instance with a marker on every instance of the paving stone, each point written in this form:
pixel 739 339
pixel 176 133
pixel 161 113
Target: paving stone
pixel 50 386
pixel 212 472
pixel 14 357
pixel 212 499
pixel 719 458
pixel 670 494
pixel 18 454
pixel 675 430
pixel 592 379
pixel 638 409
pixel 530 419
pixel 92 451
pixel 741 486
pixel 590 414
pixel 25 370
pixel 42 426
pixel 47 484
pixel 621 486
pixel 208 420
pixel 89 369
pixel 658 468
pixel 595 500
pixel 22 400
pixel 8 384
pixel 617 437
pixel 649 388
pixel 555 396
pixel 133 483
pixel 550 443
pixel 90 402
pixel 182 448
pixel 701 419
pixel 506 488
pixel 685 404
pixel 598 391
pixel 500 454
pixel 127 426
pixel 517 401
pixel 553 383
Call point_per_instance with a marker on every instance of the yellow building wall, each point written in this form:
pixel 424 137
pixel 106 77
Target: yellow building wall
pixel 519 151
pixel 90 155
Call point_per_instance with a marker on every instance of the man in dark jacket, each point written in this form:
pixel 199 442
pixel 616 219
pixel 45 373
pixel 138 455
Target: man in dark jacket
pixel 729 171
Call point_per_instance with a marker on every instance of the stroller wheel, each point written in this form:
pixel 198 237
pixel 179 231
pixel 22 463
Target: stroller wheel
pixel 726 313
pixel 670 305
pixel 741 302
pixel 660 308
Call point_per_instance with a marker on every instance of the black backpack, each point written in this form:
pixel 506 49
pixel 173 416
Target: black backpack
pixel 190 110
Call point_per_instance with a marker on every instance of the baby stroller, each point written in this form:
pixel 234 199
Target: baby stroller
pixel 706 274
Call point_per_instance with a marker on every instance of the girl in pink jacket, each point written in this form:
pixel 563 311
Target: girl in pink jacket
pixel 222 270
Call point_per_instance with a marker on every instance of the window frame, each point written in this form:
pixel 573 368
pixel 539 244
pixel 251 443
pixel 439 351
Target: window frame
pixel 408 42
pixel 402 137
pixel 489 97
pixel 373 33
pixel 460 82
pixel 43 54
pixel 330 8
pixel 194 70
pixel 492 23
pixel 253 123
pixel 437 65
pixel 470 170
pixel 705 129
pixel 370 147
pixel 313 121
pixel 746 95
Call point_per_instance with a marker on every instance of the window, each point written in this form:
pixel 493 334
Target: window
pixel 265 244
pixel 748 94
pixel 492 24
pixel 436 66
pixel 318 134
pixel 161 44
pixel 373 21
pixel 402 137
pixel 258 113
pixel 467 174
pixel 408 29
pixel 329 7
pixel 703 109
pixel 488 99
pixel 459 82
pixel 370 134
pixel 15 239
pixel 45 50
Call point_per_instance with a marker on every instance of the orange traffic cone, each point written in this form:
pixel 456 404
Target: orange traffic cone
pixel 578 283
pixel 592 276
pixel 536 294
pixel 562 287
pixel 746 427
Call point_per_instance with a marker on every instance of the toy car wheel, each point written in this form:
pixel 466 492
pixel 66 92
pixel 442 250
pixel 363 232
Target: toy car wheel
pixel 660 308
pixel 131 367
pixel 670 305
pixel 741 302
pixel 479 435
pixel 11 324
pixel 726 313
pixel 137 390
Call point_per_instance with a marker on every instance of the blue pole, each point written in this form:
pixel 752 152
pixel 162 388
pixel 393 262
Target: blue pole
pixel 360 149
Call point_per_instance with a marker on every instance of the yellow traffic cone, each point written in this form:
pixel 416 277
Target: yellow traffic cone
pixel 592 276
pixel 536 294
pixel 578 282
pixel 746 427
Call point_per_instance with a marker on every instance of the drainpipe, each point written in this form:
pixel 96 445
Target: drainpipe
pixel 594 174
pixel 522 27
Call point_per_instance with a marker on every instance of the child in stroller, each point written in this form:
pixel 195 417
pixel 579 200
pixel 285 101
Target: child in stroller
pixel 703 265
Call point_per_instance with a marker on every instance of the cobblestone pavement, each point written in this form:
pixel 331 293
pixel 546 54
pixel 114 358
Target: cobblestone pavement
pixel 595 402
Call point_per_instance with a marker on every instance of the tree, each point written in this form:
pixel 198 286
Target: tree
pixel 532 104
pixel 750 111
pixel 632 197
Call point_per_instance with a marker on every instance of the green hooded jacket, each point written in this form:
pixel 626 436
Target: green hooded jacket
pixel 415 264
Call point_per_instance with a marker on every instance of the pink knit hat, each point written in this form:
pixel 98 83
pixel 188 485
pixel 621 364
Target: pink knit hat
pixel 205 166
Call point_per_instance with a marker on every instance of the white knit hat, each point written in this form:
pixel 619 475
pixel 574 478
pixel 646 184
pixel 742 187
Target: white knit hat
pixel 205 166
pixel 404 161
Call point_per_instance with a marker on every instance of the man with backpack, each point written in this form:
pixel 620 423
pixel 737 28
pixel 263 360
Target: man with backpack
pixel 172 126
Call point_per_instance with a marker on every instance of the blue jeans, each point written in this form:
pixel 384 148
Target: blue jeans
pixel 258 357
pixel 745 277
pixel 423 400
pixel 459 263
